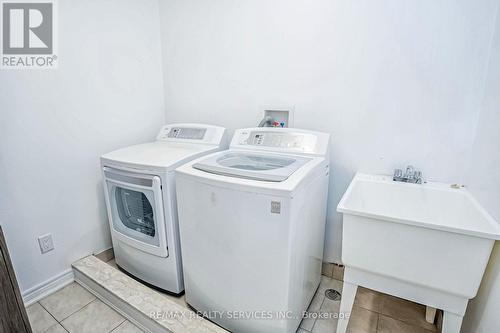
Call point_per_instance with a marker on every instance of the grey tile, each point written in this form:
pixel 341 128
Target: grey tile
pixel 40 319
pixel 112 263
pixel 106 255
pixel 327 321
pixel 300 330
pixel 369 299
pixel 406 311
pixel 330 306
pixel 325 325
pixel 67 301
pixel 327 269
pixel 338 272
pixel 127 327
pixel 181 300
pixel 56 329
pixel 329 283
pixel 307 323
pixel 96 317
pixel 362 321
pixel 391 325
pixel 316 302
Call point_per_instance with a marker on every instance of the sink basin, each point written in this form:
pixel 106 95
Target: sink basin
pixel 428 243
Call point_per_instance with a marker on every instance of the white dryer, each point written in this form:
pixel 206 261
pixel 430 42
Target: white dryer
pixel 140 196
pixel 252 221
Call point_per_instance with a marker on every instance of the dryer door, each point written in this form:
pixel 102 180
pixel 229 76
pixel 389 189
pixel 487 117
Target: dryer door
pixel 135 208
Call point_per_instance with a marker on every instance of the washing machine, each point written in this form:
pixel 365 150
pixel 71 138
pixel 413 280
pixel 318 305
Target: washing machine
pixel 252 223
pixel 140 197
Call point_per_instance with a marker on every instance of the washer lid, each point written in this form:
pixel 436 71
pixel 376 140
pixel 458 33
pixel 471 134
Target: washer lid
pixel 265 167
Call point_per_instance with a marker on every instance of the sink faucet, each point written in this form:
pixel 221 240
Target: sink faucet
pixel 410 176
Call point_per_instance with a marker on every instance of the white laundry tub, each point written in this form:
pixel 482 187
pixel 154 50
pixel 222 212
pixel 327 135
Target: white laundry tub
pixel 428 243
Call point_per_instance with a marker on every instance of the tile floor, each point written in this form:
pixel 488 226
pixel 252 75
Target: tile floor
pixel 73 309
pixel 373 312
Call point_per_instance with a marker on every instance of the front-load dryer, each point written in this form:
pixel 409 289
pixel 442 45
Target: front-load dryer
pixel 140 197
pixel 252 222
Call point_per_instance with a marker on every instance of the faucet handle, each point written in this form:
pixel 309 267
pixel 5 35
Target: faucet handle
pixel 417 175
pixel 409 171
pixel 398 174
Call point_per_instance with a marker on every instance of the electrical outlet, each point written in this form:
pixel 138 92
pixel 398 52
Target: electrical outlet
pixel 46 243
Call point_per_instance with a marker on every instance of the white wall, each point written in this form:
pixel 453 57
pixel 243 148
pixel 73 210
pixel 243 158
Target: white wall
pixel 394 82
pixel 483 179
pixel 54 125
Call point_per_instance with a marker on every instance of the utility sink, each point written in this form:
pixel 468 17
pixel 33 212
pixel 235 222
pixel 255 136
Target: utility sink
pixel 429 243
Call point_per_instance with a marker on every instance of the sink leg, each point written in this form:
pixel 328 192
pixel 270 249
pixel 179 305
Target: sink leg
pixel 348 295
pixel 451 322
pixel 430 314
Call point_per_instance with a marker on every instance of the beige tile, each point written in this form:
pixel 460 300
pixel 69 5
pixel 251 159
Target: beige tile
pixel 362 321
pixel 96 317
pixel 369 299
pixel 338 272
pixel 56 329
pixel 327 269
pixel 127 327
pixel 40 319
pixel 391 325
pixel 105 255
pixel 406 311
pixel 439 320
pixel 67 301
pixel 112 263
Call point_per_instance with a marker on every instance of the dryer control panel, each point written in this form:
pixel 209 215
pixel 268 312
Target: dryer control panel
pixel 187 133
pixel 196 133
pixel 285 140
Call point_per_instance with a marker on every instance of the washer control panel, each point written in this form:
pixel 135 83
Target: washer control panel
pixel 286 140
pixel 277 140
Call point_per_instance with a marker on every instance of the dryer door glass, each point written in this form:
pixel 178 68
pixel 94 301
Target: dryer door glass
pixel 135 211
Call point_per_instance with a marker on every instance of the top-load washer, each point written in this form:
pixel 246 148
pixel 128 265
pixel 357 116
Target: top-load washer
pixel 252 221
pixel 140 196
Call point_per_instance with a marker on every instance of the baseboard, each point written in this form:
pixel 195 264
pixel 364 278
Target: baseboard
pixel 48 287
